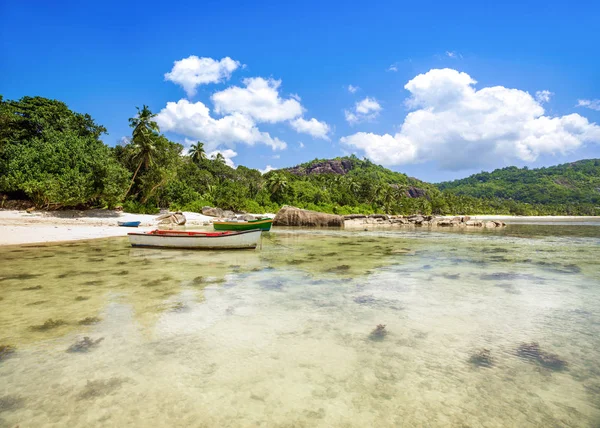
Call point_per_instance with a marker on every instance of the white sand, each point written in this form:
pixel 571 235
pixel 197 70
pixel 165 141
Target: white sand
pixel 20 227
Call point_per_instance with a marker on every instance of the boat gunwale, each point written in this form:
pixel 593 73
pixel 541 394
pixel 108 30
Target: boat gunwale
pixel 235 223
pixel 180 234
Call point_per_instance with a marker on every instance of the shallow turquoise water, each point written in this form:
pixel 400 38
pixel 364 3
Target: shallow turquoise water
pixel 282 336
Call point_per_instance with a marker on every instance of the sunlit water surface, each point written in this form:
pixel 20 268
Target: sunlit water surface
pixel 281 336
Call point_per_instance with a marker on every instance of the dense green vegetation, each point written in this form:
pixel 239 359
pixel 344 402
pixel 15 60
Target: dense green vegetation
pixel 571 188
pixel 55 158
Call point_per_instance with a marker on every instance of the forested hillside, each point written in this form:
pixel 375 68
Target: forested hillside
pixel 570 187
pixel 55 157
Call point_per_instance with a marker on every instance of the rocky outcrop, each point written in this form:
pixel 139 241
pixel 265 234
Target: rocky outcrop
pixel 333 166
pixel 292 216
pixel 358 220
pixel 213 212
pixel 217 212
pixel 172 219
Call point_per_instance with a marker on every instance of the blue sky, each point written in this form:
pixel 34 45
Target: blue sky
pixel 293 62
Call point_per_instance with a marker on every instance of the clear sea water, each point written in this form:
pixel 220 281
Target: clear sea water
pixel 282 336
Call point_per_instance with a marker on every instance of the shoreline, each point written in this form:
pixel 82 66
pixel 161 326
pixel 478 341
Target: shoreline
pixel 38 227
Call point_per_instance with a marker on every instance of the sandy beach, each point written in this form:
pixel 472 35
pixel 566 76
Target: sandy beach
pixel 20 227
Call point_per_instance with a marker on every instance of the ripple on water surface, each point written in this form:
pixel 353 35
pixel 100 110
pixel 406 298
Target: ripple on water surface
pixel 316 329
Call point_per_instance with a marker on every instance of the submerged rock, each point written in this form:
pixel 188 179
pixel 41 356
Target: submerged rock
pixel 89 321
pixel 84 345
pixel 533 352
pixel 10 402
pixel 378 333
pixel 6 351
pixel 48 325
pixel 482 358
pixel 98 388
pixel 292 216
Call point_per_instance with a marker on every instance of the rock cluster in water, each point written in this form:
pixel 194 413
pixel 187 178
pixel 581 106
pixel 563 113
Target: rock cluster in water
pixel 354 220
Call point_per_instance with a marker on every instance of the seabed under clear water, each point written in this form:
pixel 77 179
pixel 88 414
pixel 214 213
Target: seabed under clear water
pixel 286 336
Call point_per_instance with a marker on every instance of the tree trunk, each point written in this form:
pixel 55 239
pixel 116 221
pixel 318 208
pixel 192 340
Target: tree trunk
pixel 133 179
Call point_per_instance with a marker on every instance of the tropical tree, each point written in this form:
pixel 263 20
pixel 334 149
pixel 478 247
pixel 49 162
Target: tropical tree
pixel 143 124
pixel 219 158
pixel 54 156
pixel 276 183
pixel 197 153
pixel 143 149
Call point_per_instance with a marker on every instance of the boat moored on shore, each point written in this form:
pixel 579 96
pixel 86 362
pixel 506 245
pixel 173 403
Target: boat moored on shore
pixel 228 240
pixel 261 224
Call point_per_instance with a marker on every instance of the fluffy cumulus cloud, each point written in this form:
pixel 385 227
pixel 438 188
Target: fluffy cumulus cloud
pixel 591 104
pixel 312 127
pixel 192 71
pixel 227 154
pixel 461 127
pixel 259 99
pixel 364 111
pixel 194 120
pixel 237 110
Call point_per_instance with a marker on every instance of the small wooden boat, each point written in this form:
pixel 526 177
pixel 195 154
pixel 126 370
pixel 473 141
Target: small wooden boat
pixel 196 240
pixel 262 224
pixel 129 223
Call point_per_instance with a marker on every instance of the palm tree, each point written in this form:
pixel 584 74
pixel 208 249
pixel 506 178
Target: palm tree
pixel 144 129
pixel 197 153
pixel 276 183
pixel 219 158
pixel 142 124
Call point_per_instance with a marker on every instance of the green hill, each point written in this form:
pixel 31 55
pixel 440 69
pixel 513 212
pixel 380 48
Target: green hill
pixel 567 188
pixel 54 158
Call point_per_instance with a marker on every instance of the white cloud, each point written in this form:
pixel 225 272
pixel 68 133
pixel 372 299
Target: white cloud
pixel 301 145
pixel 228 154
pixel 266 169
pixel 311 127
pixel 193 120
pixel 453 54
pixel 123 141
pixel 259 100
pixel 192 71
pixel 365 110
pixel 591 104
pixel 543 96
pixel 461 127
pixel 352 89
pixel 393 68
